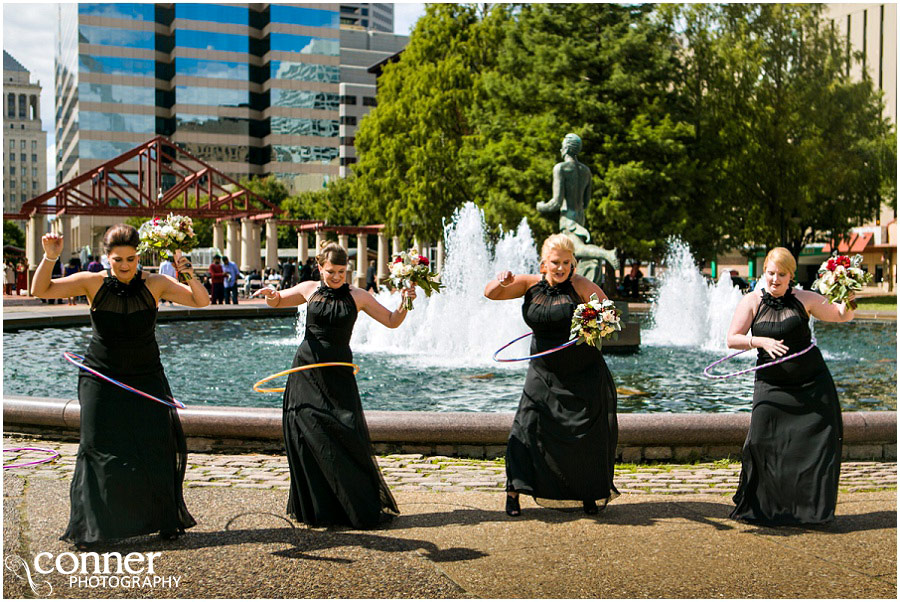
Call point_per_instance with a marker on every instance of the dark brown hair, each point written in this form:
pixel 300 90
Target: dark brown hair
pixel 331 251
pixel 120 235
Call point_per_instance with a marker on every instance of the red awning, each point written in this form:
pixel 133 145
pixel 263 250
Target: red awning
pixel 857 243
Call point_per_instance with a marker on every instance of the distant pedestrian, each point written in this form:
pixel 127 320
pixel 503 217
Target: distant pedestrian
pixel 167 268
pixel 71 268
pixel 21 278
pixel 93 265
pixel 9 278
pixel 288 274
pixel 305 273
pixel 232 273
pixel 217 279
pixel 371 285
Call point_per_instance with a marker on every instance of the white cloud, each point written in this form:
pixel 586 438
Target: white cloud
pixel 29 35
pixel 405 16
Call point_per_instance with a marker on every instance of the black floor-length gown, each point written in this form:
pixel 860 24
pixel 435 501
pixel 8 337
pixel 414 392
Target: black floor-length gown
pixel 335 479
pixel 792 455
pixel 132 454
pixel 563 441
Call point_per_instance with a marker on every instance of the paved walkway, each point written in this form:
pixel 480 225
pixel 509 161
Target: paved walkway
pixel 414 472
pixel 452 539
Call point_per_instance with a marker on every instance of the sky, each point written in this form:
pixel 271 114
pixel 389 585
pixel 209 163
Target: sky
pixel 29 35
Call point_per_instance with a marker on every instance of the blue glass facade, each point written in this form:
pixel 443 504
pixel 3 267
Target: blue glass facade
pixel 114 36
pixel 212 69
pixel 139 12
pixel 214 13
pixel 328 128
pixel 134 95
pixel 305 72
pixel 305 99
pixel 223 97
pixel 279 13
pixel 117 122
pixel 102 149
pixel 305 44
pixel 114 65
pixel 209 40
pixel 213 124
pixel 282 153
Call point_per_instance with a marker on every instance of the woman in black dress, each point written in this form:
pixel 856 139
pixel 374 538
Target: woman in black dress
pixel 563 440
pixel 335 479
pixel 792 455
pixel 132 454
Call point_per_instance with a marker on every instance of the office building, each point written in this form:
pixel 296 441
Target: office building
pixel 24 142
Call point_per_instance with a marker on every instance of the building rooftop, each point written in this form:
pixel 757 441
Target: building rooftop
pixel 11 64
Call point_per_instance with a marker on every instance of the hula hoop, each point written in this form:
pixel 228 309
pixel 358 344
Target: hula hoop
pixel 73 357
pixel 529 357
pixel 53 455
pixel 299 369
pixel 754 368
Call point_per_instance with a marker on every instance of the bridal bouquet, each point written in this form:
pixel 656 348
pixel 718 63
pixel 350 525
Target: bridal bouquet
pixel 411 269
pixel 840 275
pixel 596 320
pixel 165 236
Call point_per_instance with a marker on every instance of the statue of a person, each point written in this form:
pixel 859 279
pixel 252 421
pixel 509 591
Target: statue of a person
pixel 571 195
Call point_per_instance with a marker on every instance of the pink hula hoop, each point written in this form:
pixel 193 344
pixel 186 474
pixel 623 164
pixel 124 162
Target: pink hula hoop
pixel 754 368
pixel 529 357
pixel 53 455
pixel 77 360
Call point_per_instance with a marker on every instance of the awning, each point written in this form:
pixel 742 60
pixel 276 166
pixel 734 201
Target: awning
pixel 857 243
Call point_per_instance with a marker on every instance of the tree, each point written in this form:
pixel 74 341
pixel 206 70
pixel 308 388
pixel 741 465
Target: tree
pixel 13 235
pixel 410 174
pixel 794 151
pixel 604 72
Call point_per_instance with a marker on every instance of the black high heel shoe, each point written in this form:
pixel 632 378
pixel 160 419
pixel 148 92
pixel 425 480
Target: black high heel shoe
pixel 512 506
pixel 590 507
pixel 169 535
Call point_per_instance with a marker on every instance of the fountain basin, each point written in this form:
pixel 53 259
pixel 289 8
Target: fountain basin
pixel 867 435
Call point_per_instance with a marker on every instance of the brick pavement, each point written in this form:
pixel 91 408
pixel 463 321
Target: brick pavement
pixel 415 472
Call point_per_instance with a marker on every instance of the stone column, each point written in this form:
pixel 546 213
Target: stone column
pixel 362 259
pixel 383 256
pixel 320 236
pixel 233 246
pixel 249 255
pixel 395 242
pixel 419 246
pixel 61 226
pixel 439 260
pixel 34 250
pixel 302 247
pixel 271 243
pixel 219 235
pixel 344 241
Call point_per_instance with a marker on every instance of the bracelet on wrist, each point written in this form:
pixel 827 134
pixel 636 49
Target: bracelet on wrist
pixel 50 258
pixel 500 282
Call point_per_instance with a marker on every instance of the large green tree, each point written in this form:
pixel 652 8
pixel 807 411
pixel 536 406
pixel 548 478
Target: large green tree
pixel 13 235
pixel 794 150
pixel 410 174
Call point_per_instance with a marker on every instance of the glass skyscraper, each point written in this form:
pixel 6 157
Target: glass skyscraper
pixel 252 89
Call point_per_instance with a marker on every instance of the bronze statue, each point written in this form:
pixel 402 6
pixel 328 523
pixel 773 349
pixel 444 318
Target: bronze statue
pixel 571 195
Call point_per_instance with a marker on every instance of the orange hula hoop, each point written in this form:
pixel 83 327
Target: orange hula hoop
pixel 299 369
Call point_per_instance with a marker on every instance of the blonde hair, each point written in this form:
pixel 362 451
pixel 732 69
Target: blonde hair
pixel 782 259
pixel 559 242
pixel 331 251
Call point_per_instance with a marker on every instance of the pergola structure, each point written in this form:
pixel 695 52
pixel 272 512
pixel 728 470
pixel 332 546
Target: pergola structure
pixel 159 177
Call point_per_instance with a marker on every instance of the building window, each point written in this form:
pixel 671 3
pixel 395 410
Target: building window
pixel 348 120
pixel 24 185
pixel 34 145
pixel 34 172
pixel 34 158
pixel 24 171
pixel 12 198
pixel 11 105
pixel 369 101
pixel 34 184
pixel 347 140
pixel 12 156
pixel 12 171
pixel 12 145
pixel 12 184
pixel 348 160
pixel 22 106
pixel 348 100
pixel 24 157
pixel 22 144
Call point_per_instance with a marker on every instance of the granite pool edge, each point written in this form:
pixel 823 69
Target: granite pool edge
pixel 642 437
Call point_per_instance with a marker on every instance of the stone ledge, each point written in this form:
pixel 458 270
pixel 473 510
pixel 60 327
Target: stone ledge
pixel 658 436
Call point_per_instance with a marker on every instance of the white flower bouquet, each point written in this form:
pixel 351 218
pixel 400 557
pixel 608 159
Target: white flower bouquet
pixel 411 269
pixel 165 236
pixel 839 276
pixel 596 320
